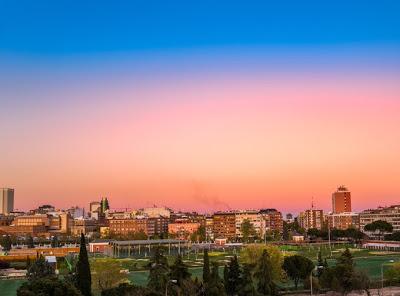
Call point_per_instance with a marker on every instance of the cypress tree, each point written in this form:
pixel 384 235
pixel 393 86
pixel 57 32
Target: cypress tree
pixel 246 287
pixel 265 284
pixel 30 243
pixel 206 267
pixel 6 243
pixel 83 276
pixel 233 277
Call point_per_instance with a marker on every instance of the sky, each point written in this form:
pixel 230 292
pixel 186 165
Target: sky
pixel 204 106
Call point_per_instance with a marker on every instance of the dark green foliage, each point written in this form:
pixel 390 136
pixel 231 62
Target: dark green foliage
pixel 83 276
pixel 246 287
pixel 344 270
pixel 215 286
pixel 379 226
pixel 263 276
pixel 179 271
pixel 4 264
pixel 297 268
pixel 247 229
pixel 343 277
pixel 54 242
pixel 129 290
pixel 29 242
pixel 159 271
pixel 395 236
pixel 206 267
pixel 6 243
pixel 320 265
pixel 233 277
pixel 199 235
pixel 47 287
pixel 40 269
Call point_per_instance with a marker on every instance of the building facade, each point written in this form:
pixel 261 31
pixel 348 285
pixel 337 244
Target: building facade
pixel 389 214
pixel 311 219
pixel 341 200
pixel 224 225
pixel 6 200
pixel 344 220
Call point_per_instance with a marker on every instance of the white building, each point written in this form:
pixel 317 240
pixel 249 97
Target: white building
pixel 156 212
pixel 6 200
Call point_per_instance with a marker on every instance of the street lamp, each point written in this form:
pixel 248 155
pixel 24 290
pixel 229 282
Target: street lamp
pixel 166 286
pixel 390 261
pixel 311 277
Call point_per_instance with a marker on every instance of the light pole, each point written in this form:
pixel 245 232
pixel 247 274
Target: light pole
pixel 311 278
pixel 390 261
pixel 166 286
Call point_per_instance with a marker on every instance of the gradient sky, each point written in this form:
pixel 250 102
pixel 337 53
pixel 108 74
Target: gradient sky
pixel 207 106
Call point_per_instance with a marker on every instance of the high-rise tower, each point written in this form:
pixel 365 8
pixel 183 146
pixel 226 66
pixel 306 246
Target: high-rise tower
pixel 6 200
pixel 341 200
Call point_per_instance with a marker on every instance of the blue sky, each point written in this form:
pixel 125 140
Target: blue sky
pixel 72 27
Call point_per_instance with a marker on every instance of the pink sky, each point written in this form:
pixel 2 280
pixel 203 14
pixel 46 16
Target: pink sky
pixel 205 142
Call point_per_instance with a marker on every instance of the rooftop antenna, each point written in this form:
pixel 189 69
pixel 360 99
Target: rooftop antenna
pixel 312 203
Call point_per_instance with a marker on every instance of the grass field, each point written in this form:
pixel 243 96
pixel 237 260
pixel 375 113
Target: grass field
pixel 370 261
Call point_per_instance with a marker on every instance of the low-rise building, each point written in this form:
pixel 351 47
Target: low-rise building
pixel 183 230
pixel 389 214
pixel 343 220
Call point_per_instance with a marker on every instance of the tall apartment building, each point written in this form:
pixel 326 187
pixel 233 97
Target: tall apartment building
pixel 224 225
pixel 311 219
pixel 341 200
pixel 6 200
pixel 389 214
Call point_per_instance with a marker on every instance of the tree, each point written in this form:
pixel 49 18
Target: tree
pixel 54 242
pixel 263 275
pixel 320 264
pixel 47 286
pixel 83 276
pixel 40 269
pixel 392 274
pixel 360 281
pixel 183 283
pixel 127 289
pixel 252 254
pixel 106 274
pixel 4 264
pixel 6 243
pixel 246 287
pixel 179 271
pixel 344 271
pixel 29 242
pixel 298 268
pixel 199 234
pixel 215 286
pixel 206 267
pixel 313 233
pixel 379 226
pixel 395 236
pixel 233 279
pixel 159 271
pixel 247 229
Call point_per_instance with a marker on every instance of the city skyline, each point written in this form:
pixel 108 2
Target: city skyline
pixel 200 106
